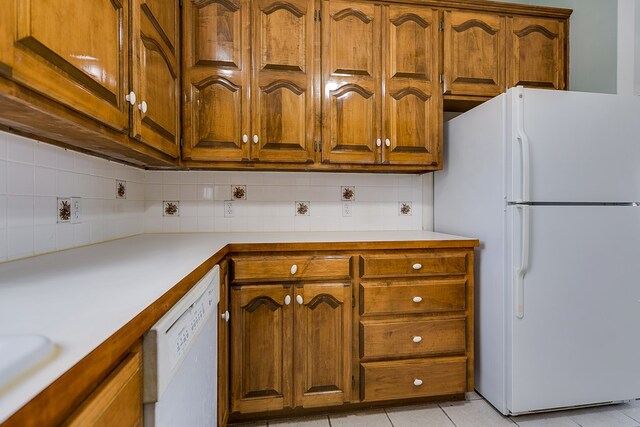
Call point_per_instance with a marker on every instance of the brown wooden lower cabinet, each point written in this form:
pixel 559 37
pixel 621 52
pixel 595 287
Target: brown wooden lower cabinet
pixel 118 399
pixel 332 328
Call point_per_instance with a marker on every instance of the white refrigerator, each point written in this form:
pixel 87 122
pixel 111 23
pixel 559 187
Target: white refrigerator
pixel 549 181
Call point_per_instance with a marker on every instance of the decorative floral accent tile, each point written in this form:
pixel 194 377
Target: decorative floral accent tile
pixel 64 210
pixel 121 189
pixel 404 208
pixel 239 192
pixel 348 193
pixel 303 208
pixel 170 208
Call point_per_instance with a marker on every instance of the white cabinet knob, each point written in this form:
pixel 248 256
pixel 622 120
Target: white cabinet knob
pixel 417 382
pixel 299 299
pixel 378 142
pixel 417 299
pixel 387 142
pixel 131 97
pixel 417 339
pixel 417 266
pixel 225 316
pixel 287 300
pixel 255 139
pixel 245 138
pixel 143 107
pixel 294 269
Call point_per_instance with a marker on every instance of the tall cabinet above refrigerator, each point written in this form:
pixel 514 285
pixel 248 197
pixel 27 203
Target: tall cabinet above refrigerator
pixel 549 181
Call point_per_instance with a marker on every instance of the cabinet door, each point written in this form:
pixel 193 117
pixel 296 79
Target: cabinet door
pixel 536 51
pixel 215 80
pixel 474 53
pixel 156 113
pixel 283 105
pixel 75 53
pixel 413 99
pixel 322 352
pixel 223 345
pixel 261 336
pixel 351 82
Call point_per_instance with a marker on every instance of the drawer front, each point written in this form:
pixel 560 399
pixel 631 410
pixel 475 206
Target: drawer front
pixel 424 264
pixel 413 297
pixel 405 379
pixel 290 268
pixel 412 337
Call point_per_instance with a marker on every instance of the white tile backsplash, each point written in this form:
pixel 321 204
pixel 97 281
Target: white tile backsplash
pixel 33 174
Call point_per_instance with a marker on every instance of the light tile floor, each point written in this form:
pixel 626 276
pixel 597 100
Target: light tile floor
pixel 473 412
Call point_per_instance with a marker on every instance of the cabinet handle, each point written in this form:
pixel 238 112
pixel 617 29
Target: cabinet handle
pixel 225 316
pixel 387 142
pixel 143 107
pixel 299 299
pixel 417 339
pixel 378 142
pixel 131 97
pixel 417 299
pixel 287 300
pixel 245 138
pixel 417 382
pixel 417 266
pixel 255 139
pixel 294 269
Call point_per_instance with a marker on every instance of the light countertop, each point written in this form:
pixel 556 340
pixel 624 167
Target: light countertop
pixel 80 297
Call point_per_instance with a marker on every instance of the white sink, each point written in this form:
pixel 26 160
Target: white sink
pixel 19 353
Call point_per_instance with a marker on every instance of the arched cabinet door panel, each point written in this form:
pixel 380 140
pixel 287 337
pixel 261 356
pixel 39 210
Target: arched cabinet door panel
pixel 89 74
pixel 474 53
pixel 412 101
pixel 536 51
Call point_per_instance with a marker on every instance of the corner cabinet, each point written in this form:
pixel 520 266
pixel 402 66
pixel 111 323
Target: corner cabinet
pixel 381 100
pixel 290 333
pixel 263 47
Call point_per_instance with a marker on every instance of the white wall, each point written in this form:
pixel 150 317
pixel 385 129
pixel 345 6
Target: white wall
pixel 34 174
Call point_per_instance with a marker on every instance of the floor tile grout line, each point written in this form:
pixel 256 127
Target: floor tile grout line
pixel 388 417
pixel 447 415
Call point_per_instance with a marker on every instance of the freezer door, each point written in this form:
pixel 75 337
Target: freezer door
pixel 576 343
pixel 582 147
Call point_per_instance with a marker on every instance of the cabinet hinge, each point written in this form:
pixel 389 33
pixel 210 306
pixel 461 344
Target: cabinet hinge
pixel 317 146
pixel 315 15
pixel 441 78
pixel 441 25
pixel 181 141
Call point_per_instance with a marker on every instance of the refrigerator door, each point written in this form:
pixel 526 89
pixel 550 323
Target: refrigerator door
pixel 582 147
pixel 576 342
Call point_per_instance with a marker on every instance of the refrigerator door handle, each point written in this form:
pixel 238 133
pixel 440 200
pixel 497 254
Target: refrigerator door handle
pixel 524 263
pixel 523 139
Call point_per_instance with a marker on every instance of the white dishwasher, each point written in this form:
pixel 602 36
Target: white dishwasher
pixel 180 360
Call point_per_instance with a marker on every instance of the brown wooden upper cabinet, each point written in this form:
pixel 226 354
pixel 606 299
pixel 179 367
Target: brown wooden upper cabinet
pixel 474 53
pixel 536 51
pixel 236 47
pixel 115 61
pixel 486 53
pixel 381 96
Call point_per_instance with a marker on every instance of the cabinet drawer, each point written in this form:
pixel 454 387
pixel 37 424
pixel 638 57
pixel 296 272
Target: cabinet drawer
pixel 413 297
pixel 412 337
pixel 404 379
pixel 421 264
pixel 290 268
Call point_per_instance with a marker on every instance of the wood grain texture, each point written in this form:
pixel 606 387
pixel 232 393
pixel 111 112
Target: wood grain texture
pixel 474 53
pixel 272 268
pixel 117 401
pixel 412 102
pixel 395 379
pixel 426 264
pixel 261 350
pixel 395 338
pixel 322 345
pixel 397 296
pixel 537 52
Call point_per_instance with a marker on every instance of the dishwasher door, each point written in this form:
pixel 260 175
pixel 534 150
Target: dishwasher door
pixel 180 360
